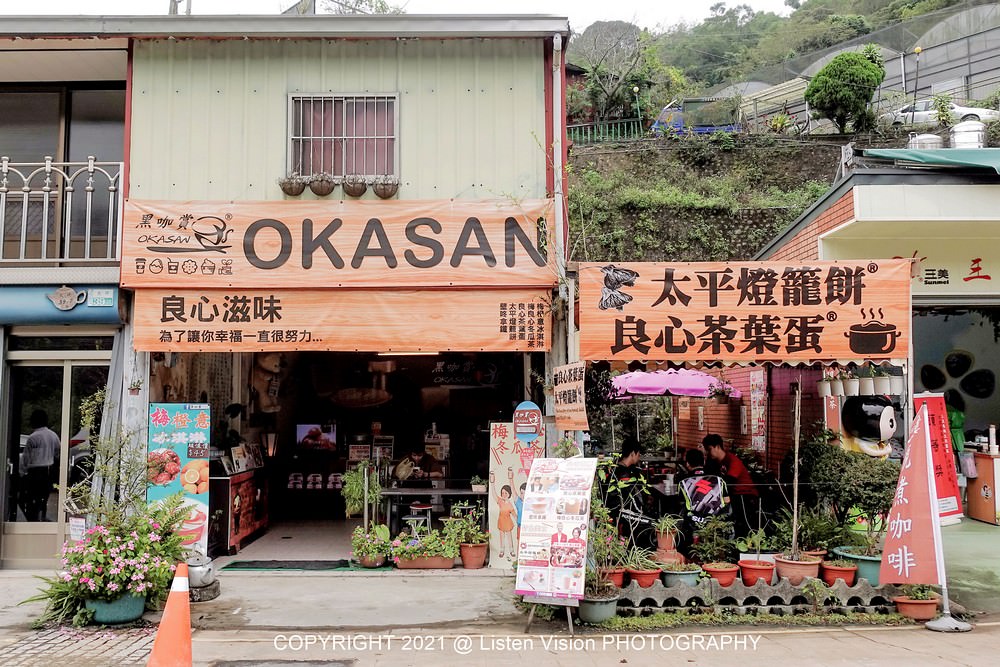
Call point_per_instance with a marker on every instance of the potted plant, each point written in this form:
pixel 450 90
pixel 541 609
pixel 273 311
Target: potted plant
pixel 293 185
pixel 605 550
pixel 370 547
pixel 478 484
pixel 839 568
pixel 134 387
pixel 600 599
pixel 866 381
pixel 836 385
pixel 713 546
pixel 818 530
pixel 427 549
pixel 851 384
pixel 880 378
pixel 897 384
pixel 918 602
pixel 667 527
pixel 353 488
pixel 796 566
pixel 465 529
pixel 680 573
pixel 823 388
pixel 322 184
pixel 385 186
pixel 354 185
pixel 752 565
pixel 720 391
pixel 641 567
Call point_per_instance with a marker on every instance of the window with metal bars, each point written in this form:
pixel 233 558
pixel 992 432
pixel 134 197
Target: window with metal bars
pixel 343 135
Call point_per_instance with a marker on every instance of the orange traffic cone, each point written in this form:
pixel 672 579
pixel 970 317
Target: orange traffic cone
pixel 172 647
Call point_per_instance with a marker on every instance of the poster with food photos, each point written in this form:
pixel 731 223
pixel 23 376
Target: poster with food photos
pixel 177 461
pixel 552 549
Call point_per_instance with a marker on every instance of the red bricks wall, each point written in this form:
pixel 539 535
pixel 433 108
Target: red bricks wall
pixel 723 419
pixel 805 244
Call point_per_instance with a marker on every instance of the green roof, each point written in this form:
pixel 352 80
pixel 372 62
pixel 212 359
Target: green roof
pixel 984 158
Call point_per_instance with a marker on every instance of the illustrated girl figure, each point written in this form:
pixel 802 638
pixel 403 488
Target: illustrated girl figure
pixel 505 523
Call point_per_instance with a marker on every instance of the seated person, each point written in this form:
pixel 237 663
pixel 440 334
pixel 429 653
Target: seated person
pixel 742 490
pixel 418 466
pixel 692 466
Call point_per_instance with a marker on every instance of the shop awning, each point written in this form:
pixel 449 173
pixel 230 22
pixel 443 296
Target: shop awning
pixel 676 382
pixel 985 158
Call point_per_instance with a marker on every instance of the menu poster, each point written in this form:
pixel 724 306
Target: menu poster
pixel 177 462
pixel 359 452
pixel 570 397
pixel 510 462
pixel 758 411
pixel 552 556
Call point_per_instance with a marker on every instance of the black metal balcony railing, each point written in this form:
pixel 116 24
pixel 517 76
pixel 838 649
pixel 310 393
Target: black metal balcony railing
pixel 612 130
pixel 59 213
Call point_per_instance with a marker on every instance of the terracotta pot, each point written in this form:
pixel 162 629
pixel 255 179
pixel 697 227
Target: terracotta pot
pixel 644 578
pixel 918 610
pixel 724 573
pixel 753 570
pixel 833 572
pixel 372 561
pixel 426 563
pixel 474 555
pixel 666 541
pixel 796 570
pixel 722 400
pixel 615 575
pixel 669 557
pixel 815 553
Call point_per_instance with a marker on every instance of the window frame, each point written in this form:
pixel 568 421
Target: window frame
pixel 333 98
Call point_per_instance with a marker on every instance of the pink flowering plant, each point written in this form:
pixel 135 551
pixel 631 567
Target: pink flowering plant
pixel 427 544
pixel 370 543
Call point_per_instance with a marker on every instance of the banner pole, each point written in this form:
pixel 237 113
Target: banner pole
pixel 946 623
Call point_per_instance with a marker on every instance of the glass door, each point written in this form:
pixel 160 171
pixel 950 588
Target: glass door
pixel 47 451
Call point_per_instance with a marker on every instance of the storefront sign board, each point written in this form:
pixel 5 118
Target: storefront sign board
pixel 514 320
pixel 570 397
pixel 376 243
pixel 527 421
pixel 942 459
pixel 510 463
pixel 177 461
pixel 552 556
pixel 745 311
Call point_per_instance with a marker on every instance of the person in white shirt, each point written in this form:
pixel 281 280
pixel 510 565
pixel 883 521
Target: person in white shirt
pixel 41 453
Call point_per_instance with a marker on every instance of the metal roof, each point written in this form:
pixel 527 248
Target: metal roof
pixel 403 26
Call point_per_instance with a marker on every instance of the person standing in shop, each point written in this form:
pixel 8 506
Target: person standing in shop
pixel 41 454
pixel 741 486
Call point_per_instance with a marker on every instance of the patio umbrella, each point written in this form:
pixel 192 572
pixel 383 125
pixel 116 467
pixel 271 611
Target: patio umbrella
pixel 682 382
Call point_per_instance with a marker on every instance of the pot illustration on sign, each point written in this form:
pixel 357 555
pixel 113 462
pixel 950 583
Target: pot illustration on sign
pixel 614 279
pixel 872 337
pixel 67 298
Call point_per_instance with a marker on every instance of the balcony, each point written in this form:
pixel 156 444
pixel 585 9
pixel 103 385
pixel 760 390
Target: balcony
pixel 60 214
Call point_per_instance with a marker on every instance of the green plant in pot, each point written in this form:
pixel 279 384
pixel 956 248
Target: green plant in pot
pixel 680 573
pixel 753 568
pixel 353 488
pixel 641 567
pixel 426 549
pixel 667 529
pixel 714 548
pixel 464 527
pixel 839 568
pixel 478 484
pixel 370 547
pixel 918 602
pixel 720 391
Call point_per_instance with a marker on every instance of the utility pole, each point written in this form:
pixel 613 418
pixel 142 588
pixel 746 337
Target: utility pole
pixel 175 4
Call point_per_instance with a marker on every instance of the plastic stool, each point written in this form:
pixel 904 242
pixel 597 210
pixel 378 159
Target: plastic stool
pixel 422 509
pixel 413 520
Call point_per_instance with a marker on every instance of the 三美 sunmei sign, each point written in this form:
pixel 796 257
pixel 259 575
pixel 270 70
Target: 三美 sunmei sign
pixel 745 311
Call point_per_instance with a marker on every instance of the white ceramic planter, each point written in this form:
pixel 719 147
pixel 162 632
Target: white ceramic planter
pixel 836 388
pixel 866 386
pixel 823 388
pixel 897 385
pixel 852 386
pixel 882 386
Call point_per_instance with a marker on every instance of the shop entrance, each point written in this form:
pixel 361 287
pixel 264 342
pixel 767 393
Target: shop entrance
pixel 47 450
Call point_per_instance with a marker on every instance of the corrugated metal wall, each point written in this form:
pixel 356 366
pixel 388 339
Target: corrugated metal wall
pixel 209 118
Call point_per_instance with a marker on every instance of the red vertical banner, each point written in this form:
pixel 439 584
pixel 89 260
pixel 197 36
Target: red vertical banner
pixel 909 555
pixel 942 458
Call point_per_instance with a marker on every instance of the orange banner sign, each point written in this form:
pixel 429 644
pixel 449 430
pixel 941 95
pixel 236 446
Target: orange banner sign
pixel 909 555
pixel 945 476
pixel 269 244
pixel 570 397
pixel 745 311
pixel 516 320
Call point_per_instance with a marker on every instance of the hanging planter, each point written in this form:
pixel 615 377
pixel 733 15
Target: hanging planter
pixel 866 386
pixel 897 385
pixel 852 385
pixel 836 387
pixel 823 388
pixel 354 185
pixel 385 186
pixel 322 184
pixel 882 385
pixel 293 185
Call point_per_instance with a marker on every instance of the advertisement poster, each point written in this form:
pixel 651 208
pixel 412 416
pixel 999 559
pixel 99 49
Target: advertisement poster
pixel 758 410
pixel 945 476
pixel 177 461
pixel 552 558
pixel 510 463
pixel 570 397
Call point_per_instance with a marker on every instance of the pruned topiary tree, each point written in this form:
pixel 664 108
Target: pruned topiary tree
pixel 844 88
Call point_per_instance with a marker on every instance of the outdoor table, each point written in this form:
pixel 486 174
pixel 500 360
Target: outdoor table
pixel 395 497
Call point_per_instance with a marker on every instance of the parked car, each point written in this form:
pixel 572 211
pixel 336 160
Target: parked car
pixel 698 115
pixel 923 111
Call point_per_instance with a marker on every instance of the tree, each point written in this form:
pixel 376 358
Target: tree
pixel 844 88
pixel 611 53
pixel 361 7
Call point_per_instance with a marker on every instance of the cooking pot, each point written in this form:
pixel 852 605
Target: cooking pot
pixel 872 338
pixel 201 571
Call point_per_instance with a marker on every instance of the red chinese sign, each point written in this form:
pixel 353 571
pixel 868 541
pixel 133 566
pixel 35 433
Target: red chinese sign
pixel 942 459
pixel 909 555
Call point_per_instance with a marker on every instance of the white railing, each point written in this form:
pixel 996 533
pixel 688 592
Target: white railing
pixel 61 213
